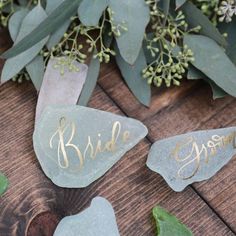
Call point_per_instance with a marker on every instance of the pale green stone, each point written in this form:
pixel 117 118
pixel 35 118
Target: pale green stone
pixel 72 161
pixel 192 157
pixel 61 86
pixel 97 220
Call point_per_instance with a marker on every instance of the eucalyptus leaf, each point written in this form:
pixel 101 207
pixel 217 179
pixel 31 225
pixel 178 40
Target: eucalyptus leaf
pixel 230 29
pixel 133 77
pixel 165 6
pixel 35 70
pixel 108 40
pixel 8 8
pixel 169 225
pixel 15 64
pixel 90 11
pixel 194 74
pixel 195 17
pixel 179 3
pixel 23 2
pixel 134 15
pixel 216 90
pixel 3 183
pixel 56 36
pixel 62 13
pixel 211 59
pixel 52 5
pixel 149 57
pixel 90 82
pixel 15 22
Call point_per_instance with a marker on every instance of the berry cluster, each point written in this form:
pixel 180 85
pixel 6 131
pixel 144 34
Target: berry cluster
pixel 170 57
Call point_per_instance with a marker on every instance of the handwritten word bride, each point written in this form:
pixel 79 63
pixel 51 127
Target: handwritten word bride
pixel 91 150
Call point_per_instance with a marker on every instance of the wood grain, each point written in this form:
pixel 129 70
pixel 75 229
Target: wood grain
pixel 33 206
pixel 116 88
pixel 131 188
pixel 189 111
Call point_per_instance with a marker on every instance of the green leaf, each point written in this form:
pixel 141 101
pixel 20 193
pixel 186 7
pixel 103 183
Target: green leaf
pixel 36 67
pixel 211 60
pixel 165 6
pixel 179 3
pixel 134 15
pixel 133 77
pixel 149 57
pixel 216 90
pixel 56 36
pixel 169 225
pixel 194 74
pixel 15 22
pixel 62 13
pixel 15 64
pixel 3 183
pixel 90 82
pixel 90 11
pixel 107 40
pixel 23 2
pixel 36 70
pixel 230 29
pixel 195 17
pixel 52 5
pixel 9 8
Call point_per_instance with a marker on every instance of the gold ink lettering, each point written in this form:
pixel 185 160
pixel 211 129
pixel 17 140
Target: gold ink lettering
pixel 63 160
pixel 197 152
pixel 89 146
pixel 193 158
pixel 63 145
pixel 111 145
pixel 126 136
pixel 99 146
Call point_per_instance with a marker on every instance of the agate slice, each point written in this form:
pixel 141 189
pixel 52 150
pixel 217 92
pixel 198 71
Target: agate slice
pixel 97 220
pixel 192 157
pixel 76 145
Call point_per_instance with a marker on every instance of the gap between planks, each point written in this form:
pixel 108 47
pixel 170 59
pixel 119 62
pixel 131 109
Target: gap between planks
pixel 151 142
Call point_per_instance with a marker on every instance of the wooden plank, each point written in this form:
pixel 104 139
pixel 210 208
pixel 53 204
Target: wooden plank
pixel 161 97
pixel 131 188
pixel 5 40
pixel 220 190
pixel 33 205
pixel 188 115
pixel 195 110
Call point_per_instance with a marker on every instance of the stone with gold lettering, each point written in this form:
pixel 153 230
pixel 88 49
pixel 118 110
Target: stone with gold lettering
pixel 76 145
pixel 97 220
pixel 192 157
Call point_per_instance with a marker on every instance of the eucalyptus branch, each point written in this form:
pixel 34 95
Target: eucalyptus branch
pixel 170 57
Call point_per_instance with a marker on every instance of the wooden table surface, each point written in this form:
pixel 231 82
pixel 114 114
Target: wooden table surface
pixel 33 205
